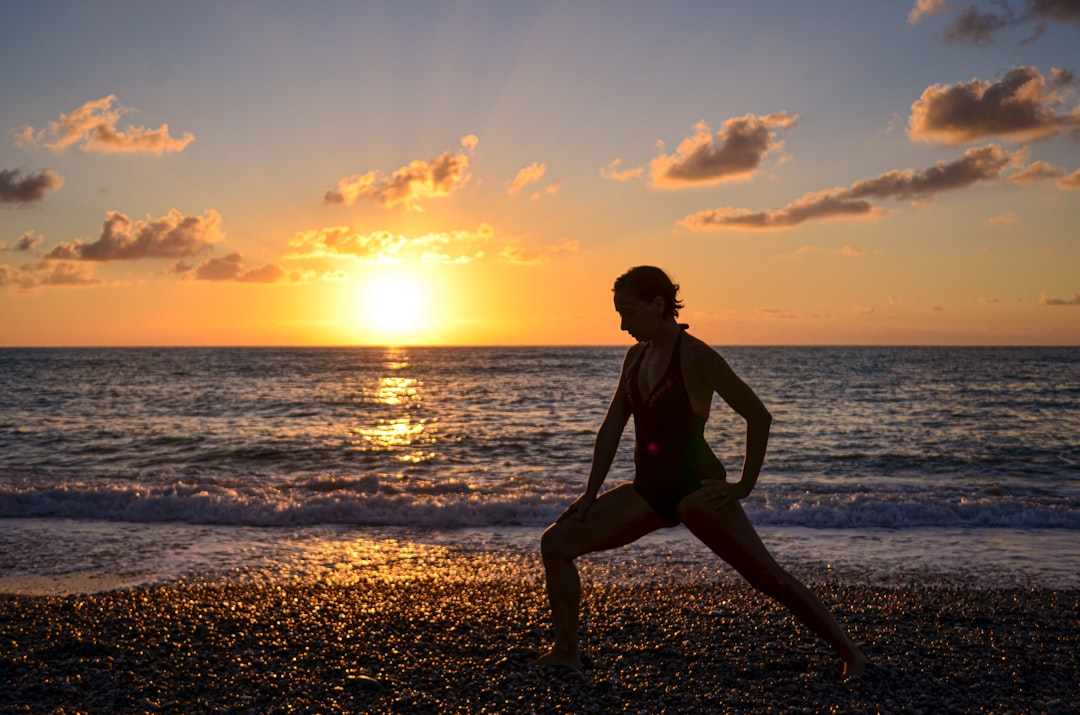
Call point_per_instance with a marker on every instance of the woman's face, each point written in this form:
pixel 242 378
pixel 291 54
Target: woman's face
pixel 640 318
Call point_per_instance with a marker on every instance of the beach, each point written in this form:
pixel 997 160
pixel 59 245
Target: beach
pixel 457 636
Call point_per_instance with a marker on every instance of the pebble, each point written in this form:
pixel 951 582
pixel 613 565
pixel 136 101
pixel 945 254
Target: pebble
pixel 448 642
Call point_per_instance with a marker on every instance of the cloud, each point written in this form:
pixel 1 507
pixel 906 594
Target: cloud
pixel 16 188
pixel 231 268
pixel 386 247
pixel 807 250
pixel 515 254
pixel 1020 106
pixel 777 313
pixel 735 152
pixel 613 172
pixel 28 241
pixel 529 175
pixel 1006 218
pixel 48 274
pixel 1072 181
pixel 978 164
pixel 419 180
pixel 440 247
pixel 1046 300
pixel 171 236
pixel 979 27
pixel 987 300
pixel 1036 172
pixel 93 126
pixel 925 8
pixel 549 190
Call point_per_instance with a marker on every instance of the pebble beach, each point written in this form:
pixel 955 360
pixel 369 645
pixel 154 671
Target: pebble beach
pixel 458 637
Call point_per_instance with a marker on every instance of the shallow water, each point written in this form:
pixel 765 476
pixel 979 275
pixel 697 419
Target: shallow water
pixel 126 466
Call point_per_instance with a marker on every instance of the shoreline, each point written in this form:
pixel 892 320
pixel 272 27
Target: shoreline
pixel 454 638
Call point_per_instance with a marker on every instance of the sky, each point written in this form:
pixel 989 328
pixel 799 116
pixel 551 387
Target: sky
pixel 478 173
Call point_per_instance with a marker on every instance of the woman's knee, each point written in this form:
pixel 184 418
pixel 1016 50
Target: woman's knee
pixel 555 543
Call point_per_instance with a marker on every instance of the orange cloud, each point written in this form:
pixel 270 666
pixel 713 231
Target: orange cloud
pixel 529 175
pixel 1036 172
pixel 439 247
pixel 1020 106
pixel 26 242
pixel 1072 181
pixel 16 188
pixel 386 247
pixel 93 126
pixel 925 8
pixel 845 251
pixel 735 152
pixel 515 254
pixel 1057 302
pixel 1005 218
pixel 980 164
pixel 171 236
pixel 613 172
pixel 48 274
pixel 231 268
pixel 419 180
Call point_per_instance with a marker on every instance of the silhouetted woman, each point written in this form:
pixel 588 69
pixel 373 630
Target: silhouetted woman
pixel 667 383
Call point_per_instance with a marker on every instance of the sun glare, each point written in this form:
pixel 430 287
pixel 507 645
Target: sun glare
pixel 394 309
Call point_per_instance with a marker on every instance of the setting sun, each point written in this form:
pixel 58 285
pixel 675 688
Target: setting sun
pixel 394 308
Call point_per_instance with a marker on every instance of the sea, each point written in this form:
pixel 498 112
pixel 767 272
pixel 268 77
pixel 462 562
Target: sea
pixel 128 467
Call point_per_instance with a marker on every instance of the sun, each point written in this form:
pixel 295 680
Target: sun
pixel 394 308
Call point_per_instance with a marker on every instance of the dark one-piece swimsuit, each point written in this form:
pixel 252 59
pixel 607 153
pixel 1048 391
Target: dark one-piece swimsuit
pixel 670 453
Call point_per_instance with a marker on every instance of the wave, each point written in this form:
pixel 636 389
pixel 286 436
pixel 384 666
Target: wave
pixel 371 501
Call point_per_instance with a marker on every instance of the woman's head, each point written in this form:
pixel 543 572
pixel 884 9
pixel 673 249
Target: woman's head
pixel 646 283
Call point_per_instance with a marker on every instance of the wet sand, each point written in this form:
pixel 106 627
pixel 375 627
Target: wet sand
pixel 449 642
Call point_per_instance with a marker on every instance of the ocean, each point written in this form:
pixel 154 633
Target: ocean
pixel 123 467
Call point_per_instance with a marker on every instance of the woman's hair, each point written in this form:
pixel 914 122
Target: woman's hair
pixel 648 282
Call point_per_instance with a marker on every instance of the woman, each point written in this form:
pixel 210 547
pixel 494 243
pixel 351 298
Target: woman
pixel 667 383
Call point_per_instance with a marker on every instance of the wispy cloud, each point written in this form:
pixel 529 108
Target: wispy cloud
pixel 17 187
pixel 1072 181
pixel 439 247
pixel 977 26
pixel 28 241
pixel 529 175
pixel 734 152
pixel 1020 106
pixel 387 247
pixel 979 164
pixel 407 186
pixel 171 236
pixel 847 251
pixel 1006 218
pixel 231 268
pixel 613 172
pixel 925 8
pixel 48 274
pixel 517 255
pixel 94 126
pixel 1057 302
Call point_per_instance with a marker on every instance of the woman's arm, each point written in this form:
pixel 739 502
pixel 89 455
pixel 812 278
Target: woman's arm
pixel 738 395
pixel 605 447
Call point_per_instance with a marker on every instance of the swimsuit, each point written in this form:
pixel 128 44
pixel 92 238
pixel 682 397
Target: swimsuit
pixel 670 452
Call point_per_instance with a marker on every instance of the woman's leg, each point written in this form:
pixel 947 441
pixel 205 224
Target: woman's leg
pixel 732 537
pixel 617 517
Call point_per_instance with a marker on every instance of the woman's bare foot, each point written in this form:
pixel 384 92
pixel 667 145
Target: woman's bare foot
pixel 558 659
pixel 855 665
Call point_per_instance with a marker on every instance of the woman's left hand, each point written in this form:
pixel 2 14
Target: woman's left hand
pixel 718 493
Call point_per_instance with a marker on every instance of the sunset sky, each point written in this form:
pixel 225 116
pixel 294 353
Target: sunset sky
pixel 339 173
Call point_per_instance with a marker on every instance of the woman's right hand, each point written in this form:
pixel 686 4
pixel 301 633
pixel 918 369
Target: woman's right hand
pixel 579 508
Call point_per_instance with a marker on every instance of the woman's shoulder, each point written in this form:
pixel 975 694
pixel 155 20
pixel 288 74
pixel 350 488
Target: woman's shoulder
pixel 699 354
